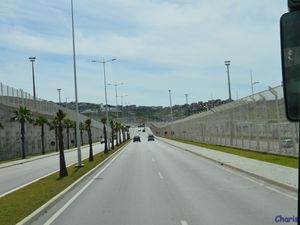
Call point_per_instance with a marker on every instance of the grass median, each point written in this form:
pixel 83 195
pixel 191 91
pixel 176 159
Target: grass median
pixel 16 206
pixel 288 161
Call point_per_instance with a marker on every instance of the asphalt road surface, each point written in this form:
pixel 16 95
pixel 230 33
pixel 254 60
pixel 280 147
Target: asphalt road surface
pixel 15 176
pixel 152 183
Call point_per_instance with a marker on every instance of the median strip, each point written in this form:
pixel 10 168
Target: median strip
pixel 61 210
pixel 17 205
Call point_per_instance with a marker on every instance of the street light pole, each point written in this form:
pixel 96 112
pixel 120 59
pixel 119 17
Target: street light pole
pixel 227 63
pixel 76 95
pixel 116 90
pixel 186 98
pixel 171 105
pixel 67 101
pixel 32 59
pixel 59 90
pixel 105 91
pixel 122 96
pixel 104 75
pixel 252 83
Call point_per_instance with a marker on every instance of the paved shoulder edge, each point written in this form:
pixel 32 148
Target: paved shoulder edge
pixel 288 187
pixel 34 158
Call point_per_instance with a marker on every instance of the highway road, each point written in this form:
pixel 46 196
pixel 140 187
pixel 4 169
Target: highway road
pixel 19 175
pixel 154 183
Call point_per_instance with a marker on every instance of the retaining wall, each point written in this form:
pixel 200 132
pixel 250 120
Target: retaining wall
pixel 10 136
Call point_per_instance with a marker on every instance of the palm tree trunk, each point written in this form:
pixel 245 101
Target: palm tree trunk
pixel 23 139
pixel 120 141
pixel 117 138
pixel 63 172
pixel 43 139
pixel 91 157
pixel 56 139
pixel 123 135
pixel 128 135
pixel 75 137
pixel 105 139
pixel 112 139
pixel 68 138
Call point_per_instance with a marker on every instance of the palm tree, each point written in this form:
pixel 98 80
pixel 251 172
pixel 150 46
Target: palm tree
pixel 116 133
pixel 119 126
pixel 81 128
pixel 41 121
pixel 112 126
pixel 22 115
pixel 73 125
pixel 123 133
pixel 1 126
pixel 128 134
pixel 54 126
pixel 88 123
pixel 68 124
pixel 60 115
pixel 103 120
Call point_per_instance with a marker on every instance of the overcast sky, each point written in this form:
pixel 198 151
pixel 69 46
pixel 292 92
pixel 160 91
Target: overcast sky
pixel 159 45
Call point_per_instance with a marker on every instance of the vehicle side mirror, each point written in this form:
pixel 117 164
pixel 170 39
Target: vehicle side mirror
pixel 290 59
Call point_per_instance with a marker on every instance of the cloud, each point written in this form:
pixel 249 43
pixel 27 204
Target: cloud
pixel 160 45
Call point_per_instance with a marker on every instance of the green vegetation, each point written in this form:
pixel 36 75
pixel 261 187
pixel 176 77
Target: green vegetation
pixel 88 123
pixel 42 121
pixel 267 157
pixel 60 116
pixel 112 126
pixel 22 116
pixel 103 121
pixel 21 203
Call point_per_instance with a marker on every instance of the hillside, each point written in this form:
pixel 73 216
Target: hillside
pixel 140 114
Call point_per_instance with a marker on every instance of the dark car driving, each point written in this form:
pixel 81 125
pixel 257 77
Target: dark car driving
pixel 136 138
pixel 151 137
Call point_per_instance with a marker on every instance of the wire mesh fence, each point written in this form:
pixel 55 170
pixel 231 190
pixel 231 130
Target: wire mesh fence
pixel 257 122
pixel 13 97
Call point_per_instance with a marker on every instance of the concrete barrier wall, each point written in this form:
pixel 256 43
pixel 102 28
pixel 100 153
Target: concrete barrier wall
pixel 10 136
pixel 257 122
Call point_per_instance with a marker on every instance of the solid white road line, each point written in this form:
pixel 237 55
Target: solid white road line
pixel 243 176
pixel 160 175
pixel 61 210
pixel 280 192
pixel 183 222
pixel 261 184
